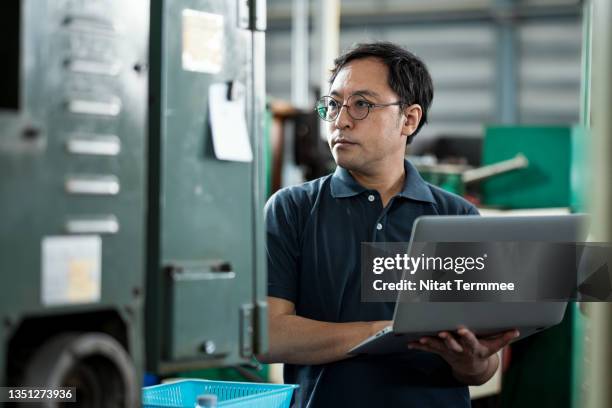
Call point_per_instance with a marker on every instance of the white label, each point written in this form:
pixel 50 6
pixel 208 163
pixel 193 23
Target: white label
pixel 202 41
pixel 228 123
pixel 71 270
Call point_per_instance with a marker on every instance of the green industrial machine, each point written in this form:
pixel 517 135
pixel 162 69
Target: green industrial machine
pixel 131 191
pixel 206 280
pixel 544 368
pixel 72 196
pixel 545 182
pixel 455 177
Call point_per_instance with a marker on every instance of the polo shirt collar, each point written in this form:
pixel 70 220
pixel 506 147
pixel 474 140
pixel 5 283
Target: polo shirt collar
pixel 415 188
pixel 344 185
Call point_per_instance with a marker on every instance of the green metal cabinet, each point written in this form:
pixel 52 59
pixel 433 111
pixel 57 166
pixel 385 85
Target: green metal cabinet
pixel 72 175
pixel 206 273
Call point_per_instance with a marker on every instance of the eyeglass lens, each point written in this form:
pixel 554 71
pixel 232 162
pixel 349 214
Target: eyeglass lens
pixel 328 108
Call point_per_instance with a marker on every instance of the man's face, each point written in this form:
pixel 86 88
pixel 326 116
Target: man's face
pixel 362 145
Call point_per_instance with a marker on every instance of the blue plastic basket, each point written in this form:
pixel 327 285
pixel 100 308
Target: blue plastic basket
pixel 183 394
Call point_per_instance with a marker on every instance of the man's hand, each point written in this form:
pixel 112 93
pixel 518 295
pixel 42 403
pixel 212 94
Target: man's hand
pixel 473 360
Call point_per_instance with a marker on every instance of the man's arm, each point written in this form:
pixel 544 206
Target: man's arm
pixel 297 340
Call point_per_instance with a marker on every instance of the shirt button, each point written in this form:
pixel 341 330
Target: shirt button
pixel 379 226
pixel 371 197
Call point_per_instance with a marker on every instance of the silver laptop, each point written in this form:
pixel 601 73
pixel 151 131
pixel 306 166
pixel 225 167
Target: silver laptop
pixel 412 321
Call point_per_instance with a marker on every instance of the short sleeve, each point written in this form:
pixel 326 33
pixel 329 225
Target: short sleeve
pixel 282 246
pixel 472 210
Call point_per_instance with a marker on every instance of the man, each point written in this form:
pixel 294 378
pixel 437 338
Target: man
pixel 378 100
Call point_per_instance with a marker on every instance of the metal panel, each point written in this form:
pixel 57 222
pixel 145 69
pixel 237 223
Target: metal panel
pixel 201 208
pixel 65 47
pixel 193 287
pixel 549 72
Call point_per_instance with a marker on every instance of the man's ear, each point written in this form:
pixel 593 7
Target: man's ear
pixel 412 114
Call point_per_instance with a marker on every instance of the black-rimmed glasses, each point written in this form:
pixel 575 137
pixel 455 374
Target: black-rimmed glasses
pixel 357 107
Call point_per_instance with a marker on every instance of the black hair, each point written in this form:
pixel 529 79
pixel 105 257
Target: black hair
pixel 408 75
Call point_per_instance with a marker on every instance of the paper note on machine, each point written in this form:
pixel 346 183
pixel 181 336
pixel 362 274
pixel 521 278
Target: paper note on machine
pixel 228 122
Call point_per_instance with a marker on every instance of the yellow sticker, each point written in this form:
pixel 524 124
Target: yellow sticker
pixel 81 281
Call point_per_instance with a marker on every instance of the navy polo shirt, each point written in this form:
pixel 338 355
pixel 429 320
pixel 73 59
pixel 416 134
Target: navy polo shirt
pixel 314 232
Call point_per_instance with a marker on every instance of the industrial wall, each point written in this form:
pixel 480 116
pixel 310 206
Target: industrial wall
pixel 488 65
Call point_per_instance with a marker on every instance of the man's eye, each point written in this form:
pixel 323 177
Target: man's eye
pixel 332 104
pixel 362 104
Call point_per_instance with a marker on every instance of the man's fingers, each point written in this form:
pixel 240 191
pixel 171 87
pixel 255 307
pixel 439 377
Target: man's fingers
pixel 491 336
pixel 494 345
pixel 446 343
pixel 450 342
pixel 433 343
pixel 417 346
pixel 468 339
pixel 430 344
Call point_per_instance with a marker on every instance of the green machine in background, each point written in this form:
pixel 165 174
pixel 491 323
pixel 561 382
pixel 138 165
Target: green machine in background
pixel 72 196
pixel 546 181
pixel 206 280
pixel 545 368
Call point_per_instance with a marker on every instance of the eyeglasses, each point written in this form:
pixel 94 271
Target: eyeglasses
pixel 357 107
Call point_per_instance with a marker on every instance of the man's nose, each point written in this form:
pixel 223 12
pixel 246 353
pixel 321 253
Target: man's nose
pixel 344 120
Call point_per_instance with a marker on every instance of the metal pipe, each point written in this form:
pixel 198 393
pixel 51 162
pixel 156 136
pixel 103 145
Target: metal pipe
pixel 299 54
pixel 481 173
pixel 599 334
pixel 327 30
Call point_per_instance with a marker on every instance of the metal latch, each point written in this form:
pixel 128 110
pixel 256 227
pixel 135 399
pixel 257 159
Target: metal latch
pixel 252 15
pixel 246 330
pixel 260 337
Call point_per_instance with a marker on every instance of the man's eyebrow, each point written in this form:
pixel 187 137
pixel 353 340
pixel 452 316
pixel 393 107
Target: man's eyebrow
pixel 364 92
